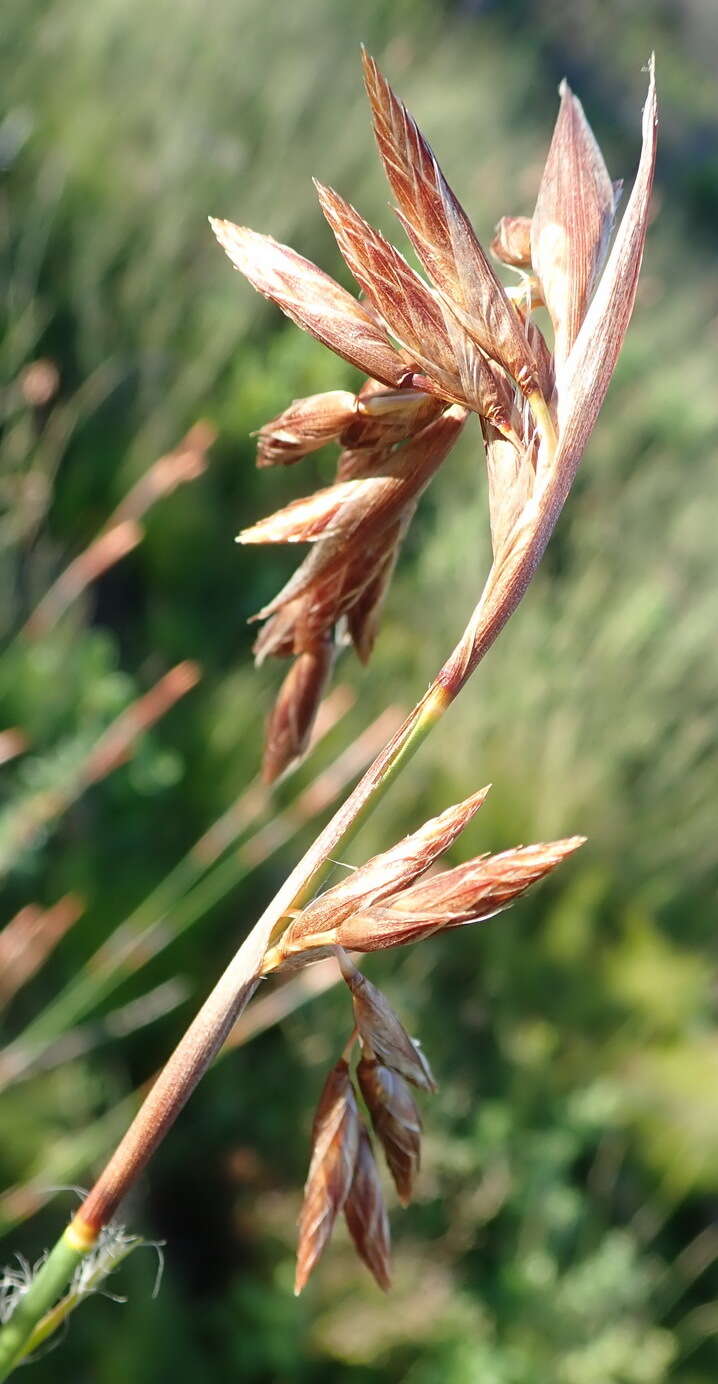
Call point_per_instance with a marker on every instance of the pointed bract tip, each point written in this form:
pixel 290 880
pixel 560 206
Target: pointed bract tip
pixel 650 108
pixel 324 193
pixel 368 62
pixel 219 226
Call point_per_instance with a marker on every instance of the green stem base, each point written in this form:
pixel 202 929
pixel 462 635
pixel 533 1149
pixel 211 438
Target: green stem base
pixel 47 1286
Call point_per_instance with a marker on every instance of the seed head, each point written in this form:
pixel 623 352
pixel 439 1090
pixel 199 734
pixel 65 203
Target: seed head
pixel 456 338
pixel 467 894
pixel 330 513
pixel 353 512
pixel 379 878
pixel 443 237
pixel 452 366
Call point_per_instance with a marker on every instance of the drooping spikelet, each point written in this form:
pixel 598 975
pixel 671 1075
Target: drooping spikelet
pixel 335 1143
pixel 396 1121
pixel 366 1214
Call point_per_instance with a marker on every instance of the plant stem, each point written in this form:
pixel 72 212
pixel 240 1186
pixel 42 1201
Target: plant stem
pixel 507 582
pixel 40 1297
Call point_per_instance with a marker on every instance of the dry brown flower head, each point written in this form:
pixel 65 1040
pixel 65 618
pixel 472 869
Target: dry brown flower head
pixel 434 349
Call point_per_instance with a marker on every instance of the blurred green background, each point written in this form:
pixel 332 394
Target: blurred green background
pixel 564 1229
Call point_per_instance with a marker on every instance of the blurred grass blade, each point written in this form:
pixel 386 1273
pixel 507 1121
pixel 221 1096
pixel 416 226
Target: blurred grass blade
pixel 29 939
pixel 122 532
pixel 22 821
pixel 147 932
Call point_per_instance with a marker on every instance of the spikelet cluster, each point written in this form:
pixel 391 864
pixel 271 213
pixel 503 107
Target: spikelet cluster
pixel 434 347
pixel 390 900
pixel 343 1174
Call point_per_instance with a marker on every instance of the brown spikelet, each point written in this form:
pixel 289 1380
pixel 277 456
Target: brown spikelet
pixel 313 301
pixel 396 1121
pixel 341 594
pixel 433 338
pixel 364 615
pixel 572 221
pixel 381 1031
pixel 394 289
pixel 380 877
pixel 334 510
pixel 369 440
pixel 407 473
pixel 442 235
pixel 304 622
pixel 366 1214
pixel 355 462
pixel 335 1143
pixel 290 724
pixel 512 241
pixel 304 427
pixel 478 889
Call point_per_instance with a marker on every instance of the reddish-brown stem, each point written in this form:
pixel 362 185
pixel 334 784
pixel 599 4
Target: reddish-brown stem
pixel 172 1089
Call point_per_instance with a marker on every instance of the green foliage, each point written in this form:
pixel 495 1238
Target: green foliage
pixel 562 1227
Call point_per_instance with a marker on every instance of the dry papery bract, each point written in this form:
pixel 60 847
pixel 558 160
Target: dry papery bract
pixel 435 349
pixel 436 346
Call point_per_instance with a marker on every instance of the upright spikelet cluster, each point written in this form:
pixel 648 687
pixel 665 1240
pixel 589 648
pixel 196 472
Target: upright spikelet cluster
pixel 435 349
